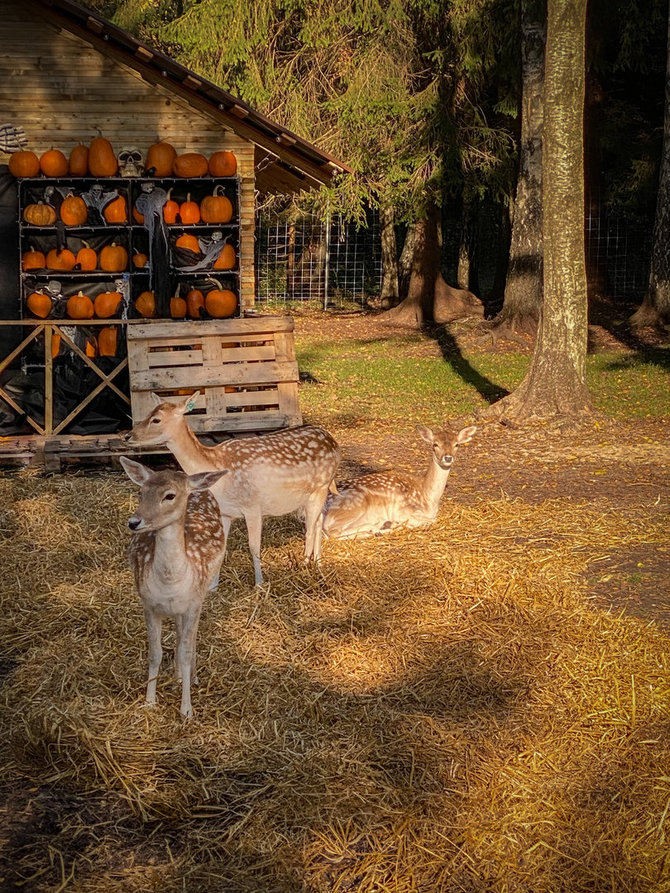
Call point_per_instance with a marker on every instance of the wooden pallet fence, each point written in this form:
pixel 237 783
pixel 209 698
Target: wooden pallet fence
pixel 245 369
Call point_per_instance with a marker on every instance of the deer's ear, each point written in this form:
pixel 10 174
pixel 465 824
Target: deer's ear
pixel 466 434
pixel 189 403
pixel 157 400
pixel 205 479
pixel 138 473
pixel 425 433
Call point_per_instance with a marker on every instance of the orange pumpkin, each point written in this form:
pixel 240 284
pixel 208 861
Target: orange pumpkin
pixel 73 211
pixel 161 157
pixel 178 307
pixel 170 209
pixel 80 306
pixel 39 304
pixel 53 163
pixel 216 208
pixel 194 301
pixel 189 211
pixel 33 260
pixel 146 304
pixel 78 166
pixel 39 214
pixel 226 259
pixel 102 162
pixel 222 164
pixel 188 241
pixel 107 304
pixel 24 164
pixel 137 217
pixel 55 343
pixel 140 260
pixel 113 258
pixel 108 338
pixel 221 303
pixel 116 211
pixel 60 260
pixel 91 346
pixel 190 164
pixel 87 259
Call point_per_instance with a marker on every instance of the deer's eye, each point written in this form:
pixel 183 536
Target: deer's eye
pixel 155 421
pixel 169 496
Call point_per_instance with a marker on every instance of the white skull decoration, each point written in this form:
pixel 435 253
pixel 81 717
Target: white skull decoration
pixel 130 163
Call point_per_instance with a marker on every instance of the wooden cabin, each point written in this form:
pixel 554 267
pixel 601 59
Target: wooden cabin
pixel 70 385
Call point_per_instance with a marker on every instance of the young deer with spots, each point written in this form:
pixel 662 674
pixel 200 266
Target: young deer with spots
pixel 376 503
pixel 175 553
pixel 271 475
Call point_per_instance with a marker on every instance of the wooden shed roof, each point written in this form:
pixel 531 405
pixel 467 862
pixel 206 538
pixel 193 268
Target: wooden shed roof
pixel 285 162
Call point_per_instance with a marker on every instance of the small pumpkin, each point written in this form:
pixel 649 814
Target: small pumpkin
pixel 55 343
pixel 170 209
pixel 216 208
pixel 39 214
pixel 53 163
pixel 189 211
pixel 160 157
pixel 220 303
pixel 178 307
pixel 60 260
pixel 33 260
pixel 227 258
pixel 186 240
pixel 24 164
pixel 102 161
pixel 194 301
pixel 87 259
pixel 113 258
pixel 79 306
pixel 108 339
pixel 39 304
pixel 146 304
pixel 222 164
pixel 91 346
pixel 107 304
pixel 140 260
pixel 116 211
pixel 137 217
pixel 78 164
pixel 190 164
pixel 73 211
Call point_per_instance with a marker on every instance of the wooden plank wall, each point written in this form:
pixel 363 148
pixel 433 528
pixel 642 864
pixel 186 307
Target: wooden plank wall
pixel 64 92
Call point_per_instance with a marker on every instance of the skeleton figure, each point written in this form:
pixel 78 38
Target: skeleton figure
pixel 130 163
pixel 211 248
pixel 123 286
pixel 96 199
pixel 12 139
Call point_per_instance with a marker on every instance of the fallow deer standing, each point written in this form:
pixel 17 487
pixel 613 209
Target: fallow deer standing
pixel 379 502
pixel 175 553
pixel 271 475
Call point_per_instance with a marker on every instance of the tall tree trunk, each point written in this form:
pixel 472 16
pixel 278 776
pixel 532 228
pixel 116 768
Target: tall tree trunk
pixel 556 381
pixel 405 261
pixel 655 307
pixel 417 307
pixel 389 292
pixel 523 289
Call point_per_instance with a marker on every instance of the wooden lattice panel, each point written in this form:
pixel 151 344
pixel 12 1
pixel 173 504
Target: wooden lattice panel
pixel 245 369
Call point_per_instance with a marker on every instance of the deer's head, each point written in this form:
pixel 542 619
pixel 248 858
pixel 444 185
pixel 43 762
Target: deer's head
pixel 445 443
pixel 163 422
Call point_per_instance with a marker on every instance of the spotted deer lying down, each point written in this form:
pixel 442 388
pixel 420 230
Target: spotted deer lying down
pixel 273 474
pixel 175 553
pixel 379 502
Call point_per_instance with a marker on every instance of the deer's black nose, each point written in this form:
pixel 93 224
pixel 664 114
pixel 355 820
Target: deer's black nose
pixel 134 523
pixel 127 436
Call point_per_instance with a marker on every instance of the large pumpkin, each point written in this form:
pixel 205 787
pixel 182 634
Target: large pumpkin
pixel 116 211
pixel 39 214
pixel 146 304
pixel 60 260
pixel 53 163
pixel 190 164
pixel 33 260
pixel 227 258
pixel 24 164
pixel 107 304
pixel 194 301
pixel 102 162
pixel 108 338
pixel 78 165
pixel 220 303
pixel 80 306
pixel 39 304
pixel 73 211
pixel 113 258
pixel 186 240
pixel 189 211
pixel 160 157
pixel 216 208
pixel 222 164
pixel 87 259
pixel 170 209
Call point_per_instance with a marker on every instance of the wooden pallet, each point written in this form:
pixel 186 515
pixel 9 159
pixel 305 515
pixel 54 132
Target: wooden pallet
pixel 245 370
pixel 49 452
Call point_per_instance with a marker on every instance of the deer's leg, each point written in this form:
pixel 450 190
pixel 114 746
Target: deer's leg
pixel 350 514
pixel 187 632
pixel 154 627
pixel 254 521
pixel 314 524
pixel 226 522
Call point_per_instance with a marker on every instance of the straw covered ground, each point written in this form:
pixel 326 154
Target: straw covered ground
pixel 446 709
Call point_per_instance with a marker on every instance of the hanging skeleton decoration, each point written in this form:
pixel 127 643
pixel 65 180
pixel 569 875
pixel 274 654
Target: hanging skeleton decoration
pixel 130 163
pixel 123 286
pixel 211 248
pixel 96 199
pixel 12 139
pixel 150 204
